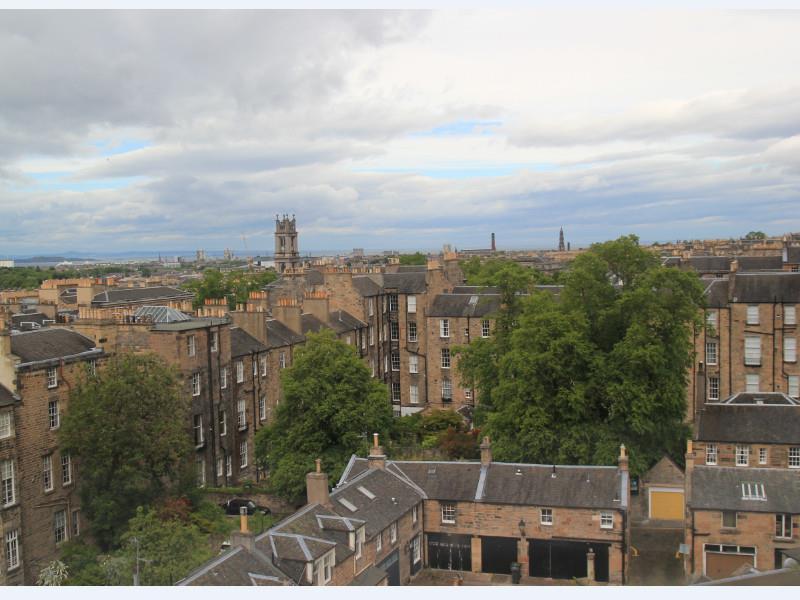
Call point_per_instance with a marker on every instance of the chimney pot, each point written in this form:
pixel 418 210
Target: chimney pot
pixel 243 520
pixel 486 451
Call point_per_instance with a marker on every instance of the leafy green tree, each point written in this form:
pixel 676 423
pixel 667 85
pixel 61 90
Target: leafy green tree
pixel 234 285
pixel 330 409
pixel 603 365
pixel 54 573
pixel 418 258
pixel 126 427
pixel 756 235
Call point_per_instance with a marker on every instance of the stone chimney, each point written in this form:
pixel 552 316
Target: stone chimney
pixel 734 265
pixel 688 472
pixel 376 458
pixel 623 458
pixel 288 311
pixel 244 537
pixel 317 304
pixel 486 451
pixel 700 389
pixel 317 486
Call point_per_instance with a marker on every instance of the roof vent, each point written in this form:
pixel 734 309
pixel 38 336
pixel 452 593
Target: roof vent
pixel 553 474
pixel 348 505
pixel 518 472
pixel 432 470
pixel 366 492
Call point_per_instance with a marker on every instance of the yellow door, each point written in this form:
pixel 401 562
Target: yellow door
pixel 666 505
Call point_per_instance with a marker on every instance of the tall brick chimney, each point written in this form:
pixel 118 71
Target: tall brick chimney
pixel 486 451
pixel 623 458
pixel 243 537
pixel 317 304
pixel 689 470
pixel 317 486
pixel 288 312
pixel 376 458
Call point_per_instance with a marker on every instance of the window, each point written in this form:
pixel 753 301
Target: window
pixel 76 523
pixel 711 353
pixel 53 416
pixel 60 525
pixel 713 388
pixel 395 392
pixel 47 472
pixel 371 335
pixel 794 386
pixel 379 543
pixel 198 430
pixel 223 423
pixel 393 532
pixel 12 549
pixel 413 394
pixel 794 457
pixel 7 487
pixel 360 536
pixel 385 363
pixel 395 361
pixel 393 302
pixel 711 320
pixel 485 328
pixel 762 456
pixel 448 512
pixel 394 330
pixel 214 341
pixel 93 368
pixel 262 408
pixel 263 361
pixel 466 332
pixel 243 455
pixel 789 315
pixel 711 454
pixel 220 466
pixel 371 306
pixel 228 465
pixel 753 491
pixel 66 469
pixel 195 384
pixel 752 350
pixel 223 378
pixel 789 349
pixel 416 553
pixel 414 514
pixel 729 519
pixel 239 371
pixel 324 569
pixel 241 412
pixel 445 358
pixel 752 382
pixel 191 345
pixel 752 314
pixel 282 360
pixel 412 331
pixel 783 526
pixel 447 390
pixel 255 367
pixel 200 465
pixel 546 516
pixel 5 424
pixel 742 455
pixel 411 303
pixel 385 337
pixel 372 366
pixel 467 394
pixel 606 520
pixel 413 363
pixel 444 328
pixel 52 377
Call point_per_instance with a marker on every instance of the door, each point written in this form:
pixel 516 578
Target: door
pixel 416 554
pixel 558 559
pixel 391 564
pixel 450 552
pixel 666 504
pixel 497 554
pixel 720 564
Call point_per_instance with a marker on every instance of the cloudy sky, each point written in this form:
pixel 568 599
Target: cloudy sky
pixel 182 130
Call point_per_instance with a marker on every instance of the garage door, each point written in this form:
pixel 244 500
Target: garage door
pixel 497 554
pixel 558 559
pixel 449 551
pixel 666 504
pixel 720 565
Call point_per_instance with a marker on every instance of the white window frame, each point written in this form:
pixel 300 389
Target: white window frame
pixel 214 341
pixel 711 454
pixel 413 394
pixel 785 525
pixel 191 345
pixel 753 491
pixel 241 413
pixel 752 350
pixel 546 516
pixel 412 331
pixel 12 549
pixel 414 514
pixel 467 394
pixel 753 316
pixel 6 427
pixel 394 331
pixel 195 384
pixel 199 434
pixel 447 390
pixel 255 367
pixel 47 473
pixel 790 349
pixel 371 306
pixel 220 466
pixel 92 367
pixel 711 319
pixel 794 457
pixel 411 304
pixel 263 361
pixel 395 361
pixel 445 358
pixel 444 328
pixel 606 519
pixel 486 330
pixel 66 469
pixel 8 484
pixel 396 392
pixel 262 408
pixel 75 521
pixel 239 371
pixel 282 360
pixel 742 455
pixel 371 335
pixel 711 353
pixel 448 513
pixel 413 363
pixel 52 378
pixel 394 303
pixel 223 378
pixel 243 454
pixel 763 455
pixel 793 386
pixel 713 388
pixel 752 383
pixel 228 465
pixel 53 414
pixel 393 532
pixel 790 314
pixel 379 543
pixel 223 423
pixel 416 550
pixel 60 526
pixel 360 539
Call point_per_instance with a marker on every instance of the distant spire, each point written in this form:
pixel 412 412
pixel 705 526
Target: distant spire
pixel 561 246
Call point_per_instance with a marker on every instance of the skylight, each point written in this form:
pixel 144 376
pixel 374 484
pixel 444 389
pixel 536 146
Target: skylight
pixel 366 492
pixel 348 505
pixel 753 491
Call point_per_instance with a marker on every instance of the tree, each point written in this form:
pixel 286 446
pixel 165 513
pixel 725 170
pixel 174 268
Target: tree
pixel 330 409
pixel 418 258
pixel 127 428
pixel 756 235
pixel 603 365
pixel 55 573
pixel 235 286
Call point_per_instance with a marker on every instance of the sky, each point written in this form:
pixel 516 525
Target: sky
pixel 128 131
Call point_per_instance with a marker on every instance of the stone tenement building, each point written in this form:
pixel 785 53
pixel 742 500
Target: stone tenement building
pixel 742 484
pixel 387 520
pixel 39 506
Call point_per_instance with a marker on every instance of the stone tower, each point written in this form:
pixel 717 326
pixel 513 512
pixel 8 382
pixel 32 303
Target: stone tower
pixel 561 247
pixel 287 253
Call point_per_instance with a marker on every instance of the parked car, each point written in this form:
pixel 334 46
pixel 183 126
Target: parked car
pixel 233 505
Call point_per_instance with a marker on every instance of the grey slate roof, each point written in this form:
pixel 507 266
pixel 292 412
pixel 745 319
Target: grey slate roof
pixel 475 289
pixel 709 264
pixel 717 293
pixel 50 344
pixel 237 566
pixel 464 305
pixel 279 335
pixel 311 324
pixel 372 284
pixel 193 323
pixel 749 424
pixel 760 263
pixel 367 285
pixel 372 575
pixel 760 398
pixel 720 488
pixel 793 255
pixel 160 314
pixel 19 320
pixel 766 287
pixel 7 398
pixel 148 294
pixel 242 343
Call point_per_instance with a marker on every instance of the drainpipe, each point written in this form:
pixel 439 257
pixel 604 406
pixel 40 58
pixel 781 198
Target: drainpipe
pixel 210 378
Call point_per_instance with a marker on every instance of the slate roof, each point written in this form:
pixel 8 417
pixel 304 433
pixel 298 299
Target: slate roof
pixel 242 343
pixel 367 285
pixel 475 289
pixel 137 295
pixel 720 488
pixel 22 320
pixel 237 566
pixel 160 314
pixel 766 287
pixel 760 398
pixel 793 255
pixel 193 323
pixel 749 423
pixel 279 335
pixel 372 284
pixel 49 344
pixel 717 293
pixel 760 263
pixel 339 321
pixel 709 264
pixel 7 398
pixel 372 575
pixel 464 305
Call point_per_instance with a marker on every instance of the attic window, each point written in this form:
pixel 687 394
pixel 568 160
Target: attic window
pixel 753 491
pixel 348 505
pixel 473 300
pixel 366 492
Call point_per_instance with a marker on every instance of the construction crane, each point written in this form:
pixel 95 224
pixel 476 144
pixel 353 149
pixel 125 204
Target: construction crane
pixel 249 256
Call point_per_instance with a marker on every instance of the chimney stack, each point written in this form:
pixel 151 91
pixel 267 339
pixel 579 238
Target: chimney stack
pixel 288 311
pixel 623 458
pixel 376 458
pixel 494 247
pixel 486 451
pixel 317 486
pixel 244 537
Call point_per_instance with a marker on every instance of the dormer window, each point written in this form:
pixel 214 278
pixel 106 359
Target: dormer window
pixel 753 491
pixel 323 569
pixel 360 538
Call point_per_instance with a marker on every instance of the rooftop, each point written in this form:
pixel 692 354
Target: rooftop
pixel 49 344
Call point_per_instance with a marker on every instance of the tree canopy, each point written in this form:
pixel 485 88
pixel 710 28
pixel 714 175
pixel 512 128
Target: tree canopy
pixel 756 235
pixel 330 409
pixel 603 364
pixel 418 258
pixel 126 426
pixel 235 286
